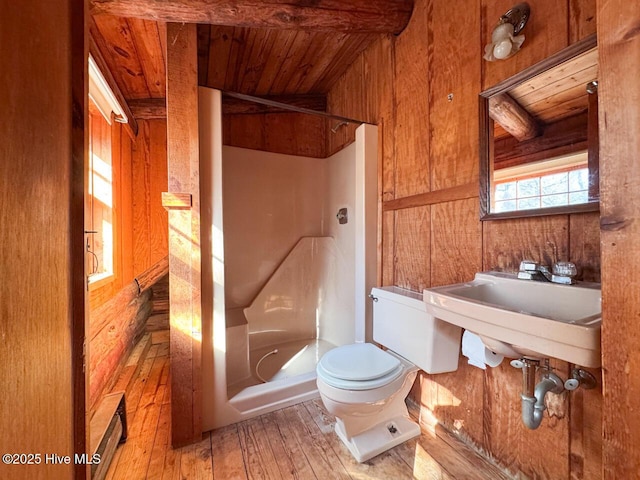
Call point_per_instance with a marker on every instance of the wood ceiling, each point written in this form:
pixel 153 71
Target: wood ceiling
pixel 561 91
pixel 275 62
pixel 558 93
pixel 548 115
pixel 246 59
pixel 133 50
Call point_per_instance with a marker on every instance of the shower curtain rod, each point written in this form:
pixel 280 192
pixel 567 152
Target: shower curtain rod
pixel 284 106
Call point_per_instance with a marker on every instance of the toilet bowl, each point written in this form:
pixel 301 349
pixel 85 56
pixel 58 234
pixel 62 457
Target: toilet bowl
pixel 365 387
pixel 368 403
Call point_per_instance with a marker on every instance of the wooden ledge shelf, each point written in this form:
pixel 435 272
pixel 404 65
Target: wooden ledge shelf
pixel 176 201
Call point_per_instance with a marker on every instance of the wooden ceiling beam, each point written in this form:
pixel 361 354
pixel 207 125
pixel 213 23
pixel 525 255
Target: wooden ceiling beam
pixel 504 110
pixel 353 16
pixel 563 137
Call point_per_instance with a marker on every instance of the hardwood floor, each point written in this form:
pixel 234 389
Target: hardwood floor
pixel 294 443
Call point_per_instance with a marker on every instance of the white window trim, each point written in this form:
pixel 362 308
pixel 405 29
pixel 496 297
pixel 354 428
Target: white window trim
pixel 102 95
pixel 540 168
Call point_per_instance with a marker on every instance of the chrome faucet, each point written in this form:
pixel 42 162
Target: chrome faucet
pixel 561 272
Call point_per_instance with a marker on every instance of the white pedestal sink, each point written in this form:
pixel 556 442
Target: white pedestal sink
pixel 525 318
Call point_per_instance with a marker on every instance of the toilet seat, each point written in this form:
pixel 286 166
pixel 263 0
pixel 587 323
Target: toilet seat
pixel 361 366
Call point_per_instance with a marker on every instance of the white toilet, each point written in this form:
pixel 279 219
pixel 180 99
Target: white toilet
pixel 365 387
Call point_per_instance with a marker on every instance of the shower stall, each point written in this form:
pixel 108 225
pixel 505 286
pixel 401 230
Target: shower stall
pixel 283 280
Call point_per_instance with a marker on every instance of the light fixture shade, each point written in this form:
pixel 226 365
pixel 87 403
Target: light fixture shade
pixel 505 41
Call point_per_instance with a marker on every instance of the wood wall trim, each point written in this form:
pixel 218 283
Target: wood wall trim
pixel 353 16
pixel 486 151
pixel 79 305
pixel 593 147
pixel 184 235
pixel 460 192
pixel 132 126
pixel 545 212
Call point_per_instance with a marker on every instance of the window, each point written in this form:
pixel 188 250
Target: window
pixel 99 222
pixel 99 197
pixel 551 183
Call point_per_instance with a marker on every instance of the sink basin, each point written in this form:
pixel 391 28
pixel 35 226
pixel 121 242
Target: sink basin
pixel 525 318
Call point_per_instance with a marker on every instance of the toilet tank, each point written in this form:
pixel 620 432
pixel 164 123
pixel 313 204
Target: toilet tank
pixel 401 323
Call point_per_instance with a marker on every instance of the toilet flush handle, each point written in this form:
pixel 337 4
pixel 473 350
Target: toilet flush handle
pixel 372 297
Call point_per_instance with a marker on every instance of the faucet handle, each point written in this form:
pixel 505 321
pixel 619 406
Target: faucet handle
pixel 566 269
pixel 529 266
pixel 564 272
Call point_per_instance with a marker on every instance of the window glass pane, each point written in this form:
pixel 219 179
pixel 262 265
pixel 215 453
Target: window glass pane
pixel 579 179
pixel 528 203
pixel 554 186
pixel 556 183
pixel 554 200
pixel 506 191
pixel 578 197
pixel 529 188
pixel 506 206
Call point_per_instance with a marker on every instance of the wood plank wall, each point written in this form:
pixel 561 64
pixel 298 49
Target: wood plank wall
pixel 117 314
pixel 140 221
pixel 619 39
pixel 430 150
pixel 149 180
pixel 287 133
pixel 43 92
pixel 121 145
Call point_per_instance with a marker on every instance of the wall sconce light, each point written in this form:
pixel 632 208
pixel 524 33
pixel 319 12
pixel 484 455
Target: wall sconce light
pixel 505 41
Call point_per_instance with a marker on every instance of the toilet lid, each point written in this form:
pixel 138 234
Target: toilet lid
pixel 358 363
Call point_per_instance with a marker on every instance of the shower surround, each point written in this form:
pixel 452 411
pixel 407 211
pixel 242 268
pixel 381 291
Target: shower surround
pixel 283 281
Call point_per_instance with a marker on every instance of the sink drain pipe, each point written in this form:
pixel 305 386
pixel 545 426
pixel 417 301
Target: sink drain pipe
pixel 533 395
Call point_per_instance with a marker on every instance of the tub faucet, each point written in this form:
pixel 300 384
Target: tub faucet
pixel 562 272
